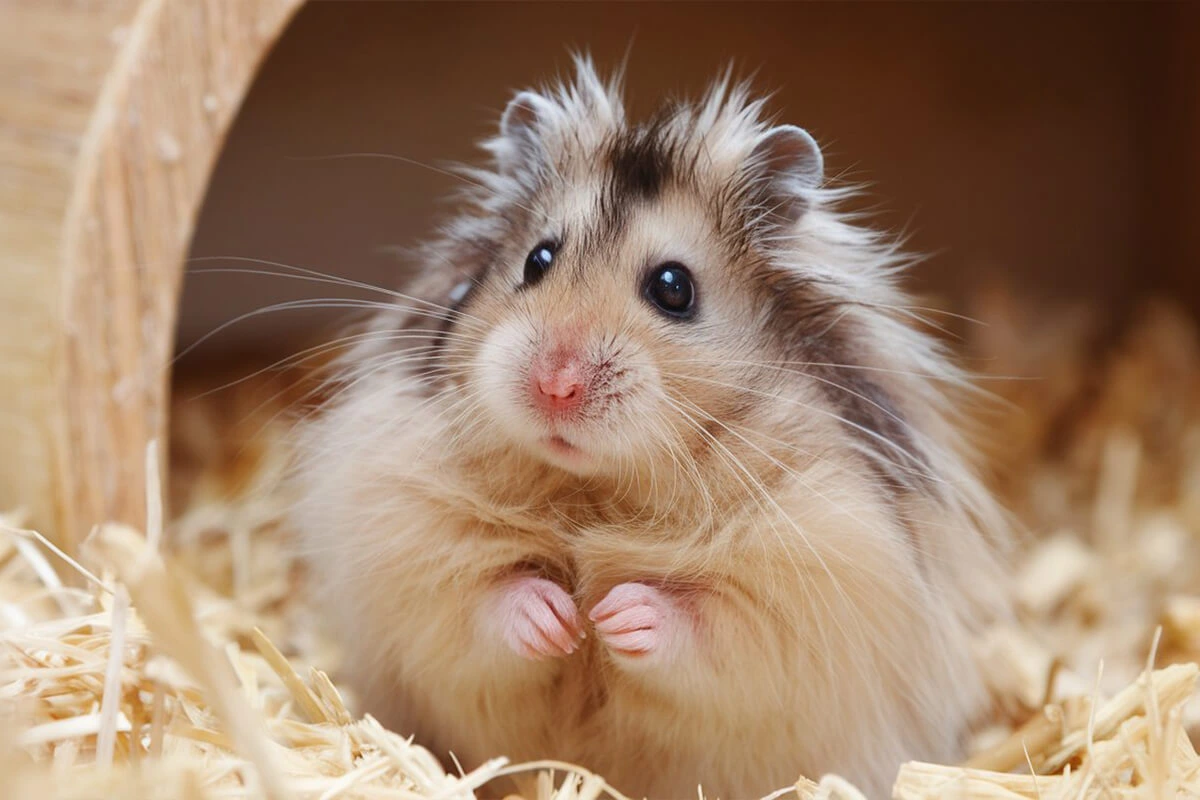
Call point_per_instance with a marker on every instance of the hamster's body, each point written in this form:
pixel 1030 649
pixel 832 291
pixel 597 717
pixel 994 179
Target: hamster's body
pixel 682 501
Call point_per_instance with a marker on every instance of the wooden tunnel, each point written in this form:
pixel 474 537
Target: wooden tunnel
pixel 114 114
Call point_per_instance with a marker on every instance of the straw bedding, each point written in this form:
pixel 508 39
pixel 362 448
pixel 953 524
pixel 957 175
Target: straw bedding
pixel 186 663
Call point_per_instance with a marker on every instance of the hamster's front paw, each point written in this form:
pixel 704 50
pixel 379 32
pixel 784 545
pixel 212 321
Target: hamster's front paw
pixel 636 620
pixel 536 618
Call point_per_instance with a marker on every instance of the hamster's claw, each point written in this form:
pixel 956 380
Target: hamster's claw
pixel 538 619
pixel 634 619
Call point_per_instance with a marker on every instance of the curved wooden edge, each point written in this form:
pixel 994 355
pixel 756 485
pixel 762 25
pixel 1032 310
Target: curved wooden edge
pixel 143 169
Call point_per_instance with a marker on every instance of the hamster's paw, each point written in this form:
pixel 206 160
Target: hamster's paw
pixel 537 618
pixel 636 620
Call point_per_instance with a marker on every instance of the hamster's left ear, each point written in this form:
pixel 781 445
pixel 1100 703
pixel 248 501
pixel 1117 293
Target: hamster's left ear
pixel 785 166
pixel 521 132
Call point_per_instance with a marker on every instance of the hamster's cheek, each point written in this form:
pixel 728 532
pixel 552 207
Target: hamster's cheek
pixel 499 371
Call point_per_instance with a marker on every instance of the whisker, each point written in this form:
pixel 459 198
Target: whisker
pixel 317 351
pixel 949 378
pixel 449 173
pixel 315 275
pixel 292 305
pixel 899 449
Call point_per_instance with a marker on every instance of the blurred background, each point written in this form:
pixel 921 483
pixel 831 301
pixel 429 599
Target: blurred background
pixel 1050 148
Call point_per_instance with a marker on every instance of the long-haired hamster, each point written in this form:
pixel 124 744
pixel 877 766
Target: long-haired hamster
pixel 652 471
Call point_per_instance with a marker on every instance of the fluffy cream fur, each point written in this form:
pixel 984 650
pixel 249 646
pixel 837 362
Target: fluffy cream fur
pixel 819 601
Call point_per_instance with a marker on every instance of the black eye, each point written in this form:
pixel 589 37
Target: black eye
pixel 669 287
pixel 538 261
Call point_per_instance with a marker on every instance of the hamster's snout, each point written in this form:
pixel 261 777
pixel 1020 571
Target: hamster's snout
pixel 558 382
pixel 578 394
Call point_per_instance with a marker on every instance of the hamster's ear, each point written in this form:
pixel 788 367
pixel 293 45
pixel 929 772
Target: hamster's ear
pixel 785 166
pixel 521 128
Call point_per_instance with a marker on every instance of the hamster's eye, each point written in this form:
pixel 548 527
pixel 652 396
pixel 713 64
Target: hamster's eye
pixel 538 261
pixel 670 289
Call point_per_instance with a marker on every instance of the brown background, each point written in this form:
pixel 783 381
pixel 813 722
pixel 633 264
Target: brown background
pixel 1053 146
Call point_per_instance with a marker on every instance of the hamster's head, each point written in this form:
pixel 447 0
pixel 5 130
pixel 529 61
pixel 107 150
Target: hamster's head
pixel 627 294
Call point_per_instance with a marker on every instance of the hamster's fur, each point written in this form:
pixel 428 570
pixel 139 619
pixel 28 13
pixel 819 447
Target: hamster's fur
pixel 555 515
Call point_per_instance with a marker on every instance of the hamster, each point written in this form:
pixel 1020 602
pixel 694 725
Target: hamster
pixel 653 472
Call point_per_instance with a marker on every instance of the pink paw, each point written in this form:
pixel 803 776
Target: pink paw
pixel 634 619
pixel 537 618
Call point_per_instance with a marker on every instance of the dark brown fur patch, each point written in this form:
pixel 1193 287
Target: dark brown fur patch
pixel 813 333
pixel 640 165
pixel 640 162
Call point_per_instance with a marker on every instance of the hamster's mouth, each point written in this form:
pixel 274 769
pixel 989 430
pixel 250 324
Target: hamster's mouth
pixel 560 446
pixel 557 450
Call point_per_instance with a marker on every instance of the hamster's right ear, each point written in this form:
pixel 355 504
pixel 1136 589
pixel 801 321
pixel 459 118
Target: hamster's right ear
pixel 521 129
pixel 787 166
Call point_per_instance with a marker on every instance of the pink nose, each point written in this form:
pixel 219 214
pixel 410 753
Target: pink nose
pixel 558 386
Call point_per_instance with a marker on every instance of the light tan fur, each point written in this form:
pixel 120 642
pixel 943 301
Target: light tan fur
pixel 824 620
